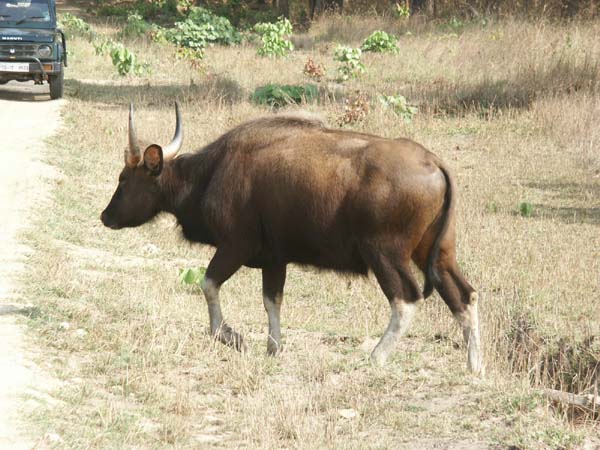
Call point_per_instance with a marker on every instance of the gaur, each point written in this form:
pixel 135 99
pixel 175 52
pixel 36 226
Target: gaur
pixel 287 189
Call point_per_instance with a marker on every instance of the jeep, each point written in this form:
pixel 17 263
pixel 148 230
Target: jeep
pixel 31 45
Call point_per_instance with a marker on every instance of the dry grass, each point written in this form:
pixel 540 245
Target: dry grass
pixel 510 107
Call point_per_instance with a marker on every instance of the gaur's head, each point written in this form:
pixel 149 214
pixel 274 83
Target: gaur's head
pixel 138 196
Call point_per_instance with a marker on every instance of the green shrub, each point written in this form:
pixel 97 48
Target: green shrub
pixel 200 29
pixel 103 46
pixel 454 25
pixel 191 275
pixel 399 105
pixel 380 41
pixel 351 67
pixel 401 11
pixel 113 10
pixel 74 26
pixel 135 26
pixel 218 29
pixel 158 34
pixel 242 14
pixel 187 34
pixel 151 9
pixel 126 62
pixel 185 5
pixel 526 209
pixel 273 37
pixel 277 95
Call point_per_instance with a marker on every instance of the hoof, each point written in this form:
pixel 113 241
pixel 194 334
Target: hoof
pixel 378 358
pixel 226 335
pixel 273 348
pixel 476 369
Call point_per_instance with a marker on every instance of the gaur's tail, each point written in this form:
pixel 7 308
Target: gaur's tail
pixel 432 277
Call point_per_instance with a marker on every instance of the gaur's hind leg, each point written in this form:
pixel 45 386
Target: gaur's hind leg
pixel 403 293
pixel 461 298
pixel 456 292
pixel 273 282
pixel 223 265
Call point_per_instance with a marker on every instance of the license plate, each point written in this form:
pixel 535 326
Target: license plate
pixel 14 67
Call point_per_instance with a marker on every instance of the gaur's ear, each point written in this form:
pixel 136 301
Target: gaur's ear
pixel 153 159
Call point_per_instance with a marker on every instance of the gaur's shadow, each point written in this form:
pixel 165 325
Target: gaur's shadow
pixel 27 311
pixel 568 214
pixel 454 97
pixel 571 192
pixel 217 89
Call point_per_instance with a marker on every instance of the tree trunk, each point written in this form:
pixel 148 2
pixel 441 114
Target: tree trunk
pixel 312 7
pixel 426 7
pixel 588 402
pixel 316 7
pixel 282 7
pixel 430 8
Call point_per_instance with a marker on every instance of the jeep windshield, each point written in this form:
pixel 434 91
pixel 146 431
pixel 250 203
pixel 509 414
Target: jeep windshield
pixel 33 13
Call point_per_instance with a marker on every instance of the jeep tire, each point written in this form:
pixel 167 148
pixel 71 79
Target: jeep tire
pixel 57 83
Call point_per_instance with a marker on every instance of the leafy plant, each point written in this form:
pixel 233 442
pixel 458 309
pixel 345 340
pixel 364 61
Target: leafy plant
pixel 150 9
pixel 380 41
pixel 123 59
pixel 192 56
pixel 492 207
pixel 218 29
pixel 135 26
pixel 356 108
pixel 191 275
pixel 526 209
pixel 277 95
pixel 402 11
pixel 126 61
pixel 314 70
pixel 399 105
pixel 185 5
pixel 273 37
pixel 243 14
pixel 113 10
pixel 75 26
pixel 350 59
pixel 189 53
pixel 158 34
pixel 200 29
pixel 103 46
pixel 188 34
pixel 454 25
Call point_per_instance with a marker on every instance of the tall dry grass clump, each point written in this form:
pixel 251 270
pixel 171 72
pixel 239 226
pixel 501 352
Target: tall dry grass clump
pixel 435 9
pixel 573 123
pixel 353 29
pixel 509 65
pixel 565 363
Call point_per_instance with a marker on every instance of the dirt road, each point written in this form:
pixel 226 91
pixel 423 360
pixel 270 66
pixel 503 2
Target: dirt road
pixel 27 117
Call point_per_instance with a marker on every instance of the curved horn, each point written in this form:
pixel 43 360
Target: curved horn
pixel 170 151
pixel 133 154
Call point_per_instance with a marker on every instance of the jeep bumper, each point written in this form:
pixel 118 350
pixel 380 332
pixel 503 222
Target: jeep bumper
pixel 28 68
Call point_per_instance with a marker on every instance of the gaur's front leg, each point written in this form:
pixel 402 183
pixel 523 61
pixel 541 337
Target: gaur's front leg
pixel 224 264
pixel 273 282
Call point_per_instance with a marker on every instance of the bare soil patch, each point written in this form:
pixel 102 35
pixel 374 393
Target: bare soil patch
pixel 26 121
